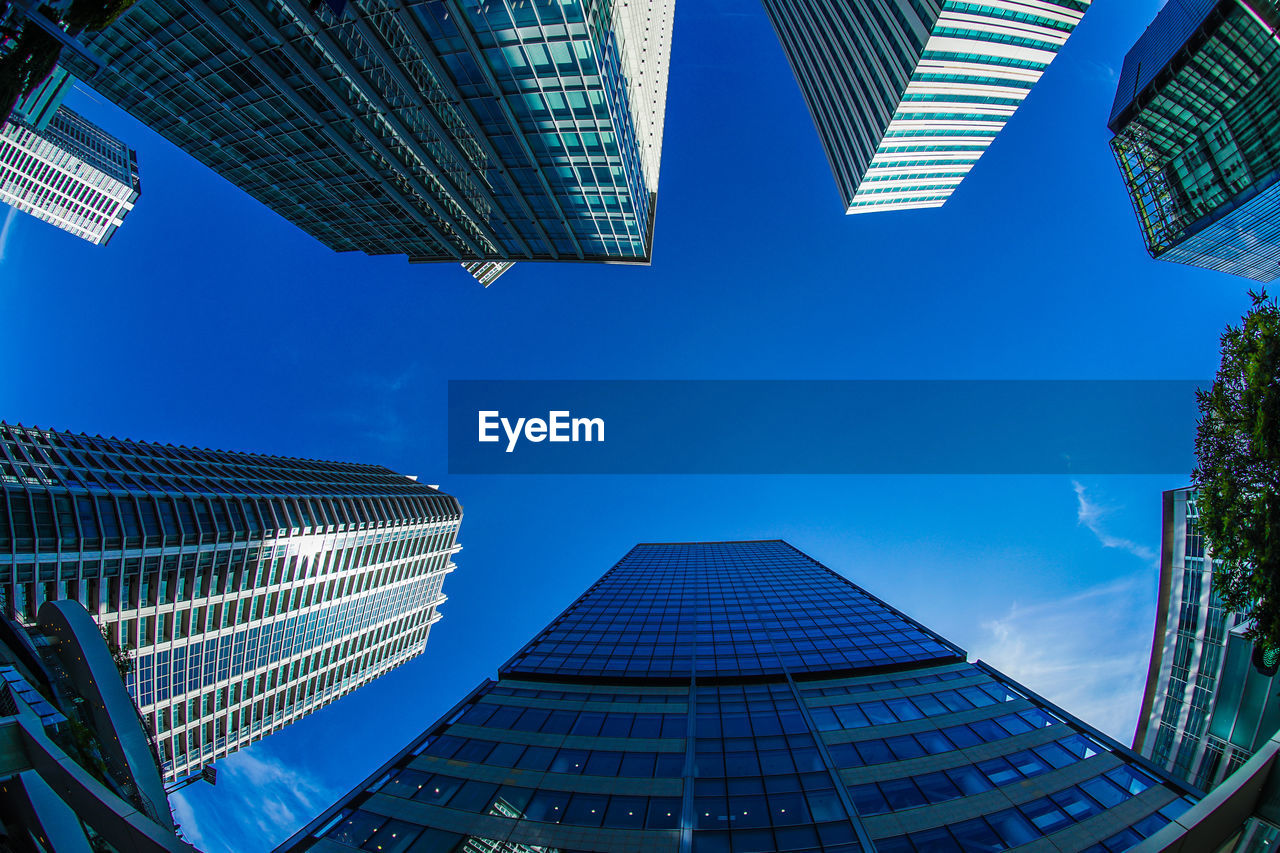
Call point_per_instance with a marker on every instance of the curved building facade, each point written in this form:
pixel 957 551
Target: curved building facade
pixel 249 590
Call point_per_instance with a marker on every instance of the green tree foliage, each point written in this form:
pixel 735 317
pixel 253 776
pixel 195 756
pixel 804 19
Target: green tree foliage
pixel 94 15
pixel 1238 469
pixel 122 656
pixel 33 58
pixel 35 53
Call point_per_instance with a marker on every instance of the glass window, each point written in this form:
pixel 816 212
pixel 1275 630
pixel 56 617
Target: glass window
pixel 663 813
pixel 547 806
pixel 625 813
pixel 586 810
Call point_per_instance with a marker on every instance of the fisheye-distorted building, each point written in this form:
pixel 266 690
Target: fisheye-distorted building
pixel 907 95
pixel 739 696
pixel 1197 135
pixel 1207 707
pixel 251 589
pixel 435 129
pixel 68 172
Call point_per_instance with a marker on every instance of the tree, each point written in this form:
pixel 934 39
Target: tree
pixel 32 59
pixel 122 656
pixel 1238 469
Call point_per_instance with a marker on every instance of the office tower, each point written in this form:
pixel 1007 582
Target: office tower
pixel 251 589
pixel 740 696
pixel 1197 135
pixel 906 95
pixel 441 130
pixel 1207 706
pixel 77 771
pixel 71 174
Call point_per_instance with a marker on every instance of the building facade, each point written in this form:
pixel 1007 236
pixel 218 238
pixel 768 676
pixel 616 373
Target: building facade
pixel 71 173
pixel 739 696
pixel 78 772
pixel 251 589
pixel 435 129
pixel 907 95
pixel 1207 708
pixel 1197 135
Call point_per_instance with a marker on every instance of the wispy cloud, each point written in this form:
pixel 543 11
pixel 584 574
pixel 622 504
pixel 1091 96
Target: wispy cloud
pixel 260 800
pixel 5 230
pixel 1087 652
pixel 1090 514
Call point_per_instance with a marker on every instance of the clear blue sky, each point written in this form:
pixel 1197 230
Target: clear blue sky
pixel 211 321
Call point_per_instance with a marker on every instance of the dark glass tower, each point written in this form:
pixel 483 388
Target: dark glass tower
pixel 250 590
pixel 437 129
pixel 1197 135
pixel 739 696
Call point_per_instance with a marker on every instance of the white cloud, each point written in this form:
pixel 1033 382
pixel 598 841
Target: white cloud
pixel 1087 652
pixel 259 801
pixel 184 814
pixel 1090 515
pixel 5 231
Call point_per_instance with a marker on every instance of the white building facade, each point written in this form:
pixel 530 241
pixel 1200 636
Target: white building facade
pixel 73 175
pixel 249 590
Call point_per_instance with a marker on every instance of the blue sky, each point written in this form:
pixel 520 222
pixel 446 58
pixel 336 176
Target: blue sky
pixel 211 321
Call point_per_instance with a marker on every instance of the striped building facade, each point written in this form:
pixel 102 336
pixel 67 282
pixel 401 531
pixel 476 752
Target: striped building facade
pixel 250 590
pixel 71 174
pixel 907 95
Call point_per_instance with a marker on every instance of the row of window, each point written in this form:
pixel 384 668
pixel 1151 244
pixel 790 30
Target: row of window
pixel 640 698
pixel 585 723
pixel 902 747
pixel 894 684
pixel 901 709
pixel 1031 821
pixel 577 809
pixel 938 787
pixel 592 762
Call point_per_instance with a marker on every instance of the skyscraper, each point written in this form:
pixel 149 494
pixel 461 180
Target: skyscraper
pixel 436 129
pixel 740 696
pixel 1197 135
pixel 71 174
pixel 907 95
pixel 1206 708
pixel 252 589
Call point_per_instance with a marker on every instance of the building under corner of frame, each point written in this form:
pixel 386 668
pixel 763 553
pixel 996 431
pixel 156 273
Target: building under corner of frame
pixel 481 133
pixel 62 168
pixel 250 590
pixel 1208 705
pixel 907 95
pixel 739 696
pixel 1197 135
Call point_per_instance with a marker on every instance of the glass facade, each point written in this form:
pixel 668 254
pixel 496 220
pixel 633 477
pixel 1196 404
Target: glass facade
pixel 250 589
pixel 1197 135
pixel 436 129
pixel 908 94
pixel 739 696
pixel 1191 705
pixel 70 173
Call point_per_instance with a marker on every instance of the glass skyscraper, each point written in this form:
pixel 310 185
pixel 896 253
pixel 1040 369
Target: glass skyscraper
pixel 499 131
pixel 250 589
pixel 739 696
pixel 69 173
pixel 1197 135
pixel 1206 708
pixel 907 95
